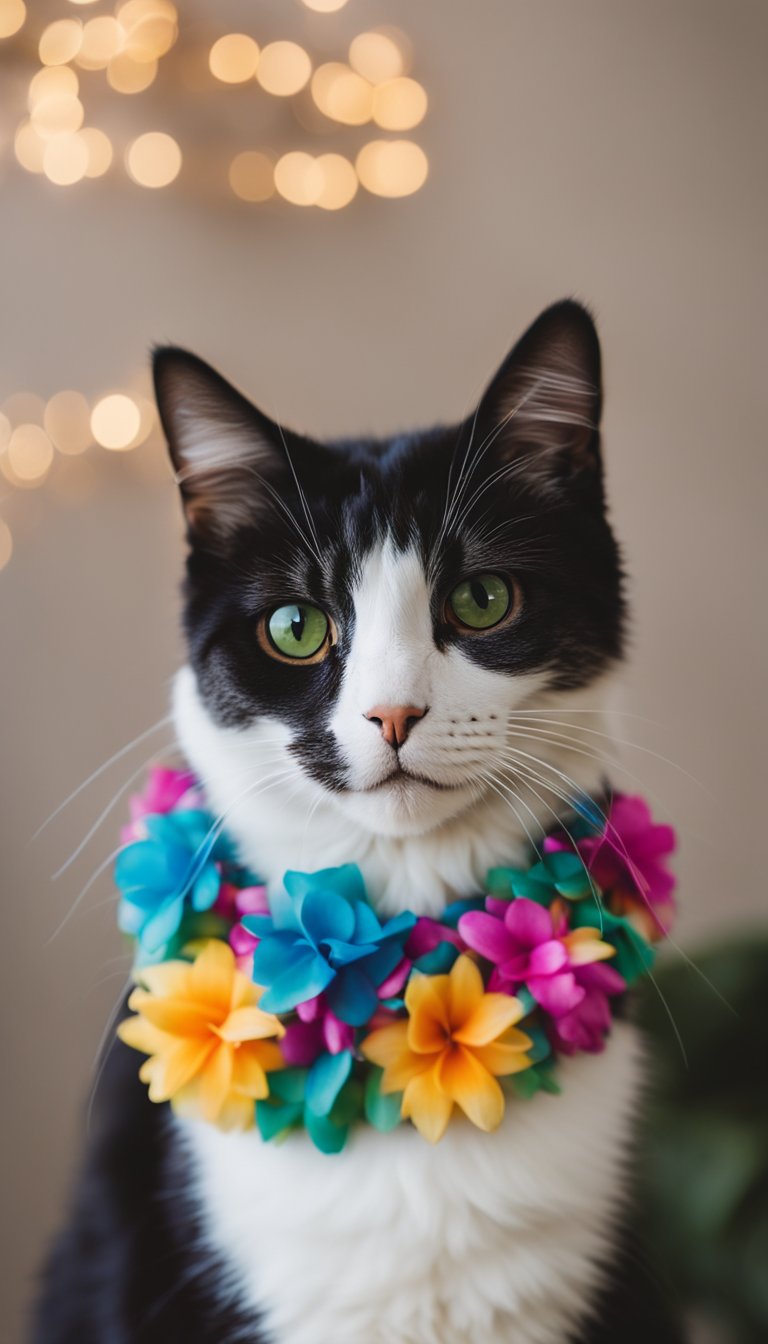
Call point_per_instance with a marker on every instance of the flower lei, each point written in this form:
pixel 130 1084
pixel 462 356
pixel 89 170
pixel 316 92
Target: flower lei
pixel 305 1010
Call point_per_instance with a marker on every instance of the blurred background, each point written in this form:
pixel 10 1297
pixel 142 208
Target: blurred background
pixel 353 208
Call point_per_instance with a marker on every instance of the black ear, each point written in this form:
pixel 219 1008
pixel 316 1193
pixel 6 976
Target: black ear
pixel 543 407
pixel 227 456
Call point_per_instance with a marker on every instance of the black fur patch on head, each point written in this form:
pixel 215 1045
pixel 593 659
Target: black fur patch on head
pixel 274 517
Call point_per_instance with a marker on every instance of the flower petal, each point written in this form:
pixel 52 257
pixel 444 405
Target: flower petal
pixel 467 1082
pixel 585 946
pixel 248 1074
pixel 173 1070
pixel 308 975
pixel 501 1058
pixel 249 1024
pixel 487 935
pixel 465 990
pixel 427 1106
pixel 216 1081
pixel 528 922
pixel 352 996
pixel 185 1018
pixel 213 972
pixel 493 1015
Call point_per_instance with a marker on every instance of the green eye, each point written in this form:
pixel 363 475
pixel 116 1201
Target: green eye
pixel 297 630
pixel 480 602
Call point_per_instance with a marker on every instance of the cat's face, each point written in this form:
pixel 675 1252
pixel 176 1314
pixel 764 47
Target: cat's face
pixel 376 611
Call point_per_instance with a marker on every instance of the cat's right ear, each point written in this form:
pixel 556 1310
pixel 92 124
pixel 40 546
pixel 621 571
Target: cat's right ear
pixel 227 455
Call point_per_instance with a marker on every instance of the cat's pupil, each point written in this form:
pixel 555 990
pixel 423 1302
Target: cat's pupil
pixel 297 624
pixel 480 594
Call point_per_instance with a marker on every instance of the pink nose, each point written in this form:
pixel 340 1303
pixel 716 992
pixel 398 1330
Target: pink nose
pixel 395 721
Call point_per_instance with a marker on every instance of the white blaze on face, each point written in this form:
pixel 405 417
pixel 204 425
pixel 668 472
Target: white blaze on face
pixel 394 661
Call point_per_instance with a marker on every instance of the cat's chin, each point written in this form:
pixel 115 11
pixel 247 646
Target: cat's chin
pixel 405 806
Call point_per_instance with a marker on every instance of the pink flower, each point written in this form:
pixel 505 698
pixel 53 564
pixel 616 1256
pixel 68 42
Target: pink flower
pixel 317 1030
pixel 528 946
pixel 163 791
pixel 245 901
pixel 625 859
pixel 586 1026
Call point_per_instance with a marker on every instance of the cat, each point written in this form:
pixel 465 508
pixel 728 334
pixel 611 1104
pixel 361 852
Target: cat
pixel 400 654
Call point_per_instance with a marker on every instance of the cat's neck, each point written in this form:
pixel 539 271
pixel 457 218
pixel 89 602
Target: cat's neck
pixel 281 820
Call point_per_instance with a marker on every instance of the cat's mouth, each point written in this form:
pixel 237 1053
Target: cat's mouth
pixel 405 777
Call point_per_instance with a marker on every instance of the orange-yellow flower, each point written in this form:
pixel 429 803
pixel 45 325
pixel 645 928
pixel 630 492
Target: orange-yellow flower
pixel 455 1043
pixel 208 1042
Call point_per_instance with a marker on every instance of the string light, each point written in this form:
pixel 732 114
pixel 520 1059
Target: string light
pixel 127 75
pixel 325 6
pixel 99 149
pixel 399 104
pixel 252 176
pixel 376 57
pixel 115 422
pixel 392 167
pixel 29 454
pixel 339 182
pixel 298 178
pixel 29 148
pixel 53 80
pixel 60 42
pixel 6 544
pixel 12 16
pixel 154 159
pixel 342 95
pixel 234 58
pixel 284 68
pixel 65 160
pixel 67 422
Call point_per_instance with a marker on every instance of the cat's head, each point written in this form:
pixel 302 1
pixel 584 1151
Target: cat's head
pixel 375 610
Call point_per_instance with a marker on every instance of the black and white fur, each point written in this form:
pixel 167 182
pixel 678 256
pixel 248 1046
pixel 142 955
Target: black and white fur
pixel 184 1232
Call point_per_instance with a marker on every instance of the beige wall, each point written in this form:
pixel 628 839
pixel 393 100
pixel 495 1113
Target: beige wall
pixel 608 150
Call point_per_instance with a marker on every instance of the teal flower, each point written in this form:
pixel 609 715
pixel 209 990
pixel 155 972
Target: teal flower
pixel 561 873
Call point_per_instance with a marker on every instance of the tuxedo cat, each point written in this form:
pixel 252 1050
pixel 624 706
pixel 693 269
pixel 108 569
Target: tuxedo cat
pixel 401 654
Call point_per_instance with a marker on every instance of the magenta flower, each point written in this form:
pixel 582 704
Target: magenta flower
pixel 625 859
pixel 527 946
pixel 586 1026
pixel 246 901
pixel 317 1030
pixel 163 791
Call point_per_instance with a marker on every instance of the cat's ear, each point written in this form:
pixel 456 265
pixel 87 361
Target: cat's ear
pixel 542 409
pixel 227 455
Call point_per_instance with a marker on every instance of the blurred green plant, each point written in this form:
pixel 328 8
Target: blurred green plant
pixel 703 1165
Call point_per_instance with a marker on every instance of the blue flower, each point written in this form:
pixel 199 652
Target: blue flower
pixel 322 936
pixel 177 868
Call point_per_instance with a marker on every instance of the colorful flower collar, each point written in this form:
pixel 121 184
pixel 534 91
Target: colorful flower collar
pixel 305 1010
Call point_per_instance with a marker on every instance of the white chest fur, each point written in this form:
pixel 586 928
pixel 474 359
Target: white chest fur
pixel 485 1237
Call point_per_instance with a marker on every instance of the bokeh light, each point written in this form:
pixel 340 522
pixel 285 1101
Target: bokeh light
pixel 234 58
pixel 103 38
pixel 376 56
pixel 52 81
pixel 29 148
pixel 299 178
pixel 284 68
pixel 392 167
pixel 252 176
pixel 58 114
pixel 339 182
pixel 154 159
pixel 5 432
pixel 99 147
pixel 325 6
pixel 67 422
pixel 116 421
pixel 151 28
pixel 12 16
pixel 342 95
pixel 22 406
pixel 126 75
pixel 60 41
pixel 30 453
pixel 65 160
pixel 6 544
pixel 399 104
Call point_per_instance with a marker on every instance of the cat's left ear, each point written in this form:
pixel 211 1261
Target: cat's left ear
pixel 542 409
pixel 229 458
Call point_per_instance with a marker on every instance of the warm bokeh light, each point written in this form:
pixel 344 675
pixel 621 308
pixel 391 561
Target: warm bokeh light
pixel 252 176
pixel 99 147
pixel 299 178
pixel 21 406
pixel 151 28
pixel 115 421
pixel 67 422
pixel 284 68
pixel 6 544
pixel 154 159
pixel 53 81
pixel 339 182
pixel 234 58
pixel 82 2
pixel 147 419
pixel 103 38
pixel 325 6
pixel 59 114
pixel 29 148
pixel 399 104
pixel 65 160
pixel 342 94
pixel 376 57
pixel 30 453
pixel 5 432
pixel 12 16
pixel 125 75
pixel 60 41
pixel 392 167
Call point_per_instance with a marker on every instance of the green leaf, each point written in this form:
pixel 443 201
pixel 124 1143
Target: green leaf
pixel 383 1112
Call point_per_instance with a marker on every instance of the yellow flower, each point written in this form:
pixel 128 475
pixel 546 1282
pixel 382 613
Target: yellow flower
pixel 208 1042
pixel 456 1042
